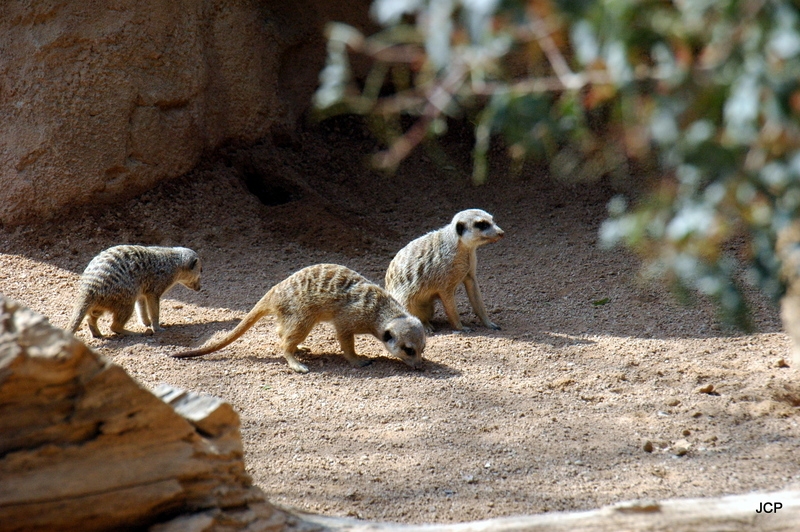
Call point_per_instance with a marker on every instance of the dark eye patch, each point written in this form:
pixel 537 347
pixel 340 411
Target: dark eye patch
pixel 387 336
pixel 410 351
pixel 482 225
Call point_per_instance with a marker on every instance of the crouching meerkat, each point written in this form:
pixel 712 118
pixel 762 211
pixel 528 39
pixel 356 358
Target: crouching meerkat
pixel 336 294
pixel 122 277
pixel 434 265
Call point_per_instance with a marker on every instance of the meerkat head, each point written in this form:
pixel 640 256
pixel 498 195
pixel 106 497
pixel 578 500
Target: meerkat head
pixel 476 228
pixel 191 268
pixel 404 338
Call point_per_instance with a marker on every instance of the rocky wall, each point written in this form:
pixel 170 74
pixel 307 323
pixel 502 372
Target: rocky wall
pixel 99 101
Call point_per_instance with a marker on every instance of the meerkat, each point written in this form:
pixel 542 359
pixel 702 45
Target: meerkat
pixel 336 294
pixel 122 277
pixel 434 265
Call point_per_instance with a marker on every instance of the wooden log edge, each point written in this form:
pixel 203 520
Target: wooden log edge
pixel 764 512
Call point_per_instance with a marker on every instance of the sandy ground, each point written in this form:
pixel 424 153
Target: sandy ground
pixel 553 412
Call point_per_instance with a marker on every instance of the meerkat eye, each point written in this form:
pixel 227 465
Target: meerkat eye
pixel 387 336
pixel 482 225
pixel 410 351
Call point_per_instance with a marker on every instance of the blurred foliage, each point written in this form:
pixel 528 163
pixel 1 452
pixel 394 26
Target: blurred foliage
pixel 703 94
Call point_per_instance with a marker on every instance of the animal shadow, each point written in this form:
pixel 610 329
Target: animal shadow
pixel 180 334
pixel 193 334
pixel 379 367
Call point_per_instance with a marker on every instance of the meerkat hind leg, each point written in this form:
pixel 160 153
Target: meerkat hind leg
pixel 423 311
pixel 289 349
pixel 120 318
pixel 290 340
pixel 450 309
pixel 91 320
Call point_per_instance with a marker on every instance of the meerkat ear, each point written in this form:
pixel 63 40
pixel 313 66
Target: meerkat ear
pixel 193 263
pixel 387 336
pixel 460 228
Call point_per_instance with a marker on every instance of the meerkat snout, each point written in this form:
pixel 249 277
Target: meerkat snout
pixel 191 278
pixel 476 228
pixel 404 338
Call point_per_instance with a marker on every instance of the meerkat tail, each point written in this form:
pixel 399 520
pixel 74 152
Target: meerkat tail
pixel 259 311
pixel 77 315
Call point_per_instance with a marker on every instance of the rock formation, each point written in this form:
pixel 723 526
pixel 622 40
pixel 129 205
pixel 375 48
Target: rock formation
pixel 83 447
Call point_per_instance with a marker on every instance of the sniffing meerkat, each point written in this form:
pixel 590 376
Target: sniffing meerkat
pixel 122 277
pixel 332 293
pixel 434 265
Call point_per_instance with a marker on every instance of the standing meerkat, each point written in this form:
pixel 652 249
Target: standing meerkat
pixel 122 277
pixel 332 293
pixel 434 265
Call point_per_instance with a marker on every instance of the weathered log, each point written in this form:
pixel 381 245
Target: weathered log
pixel 733 513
